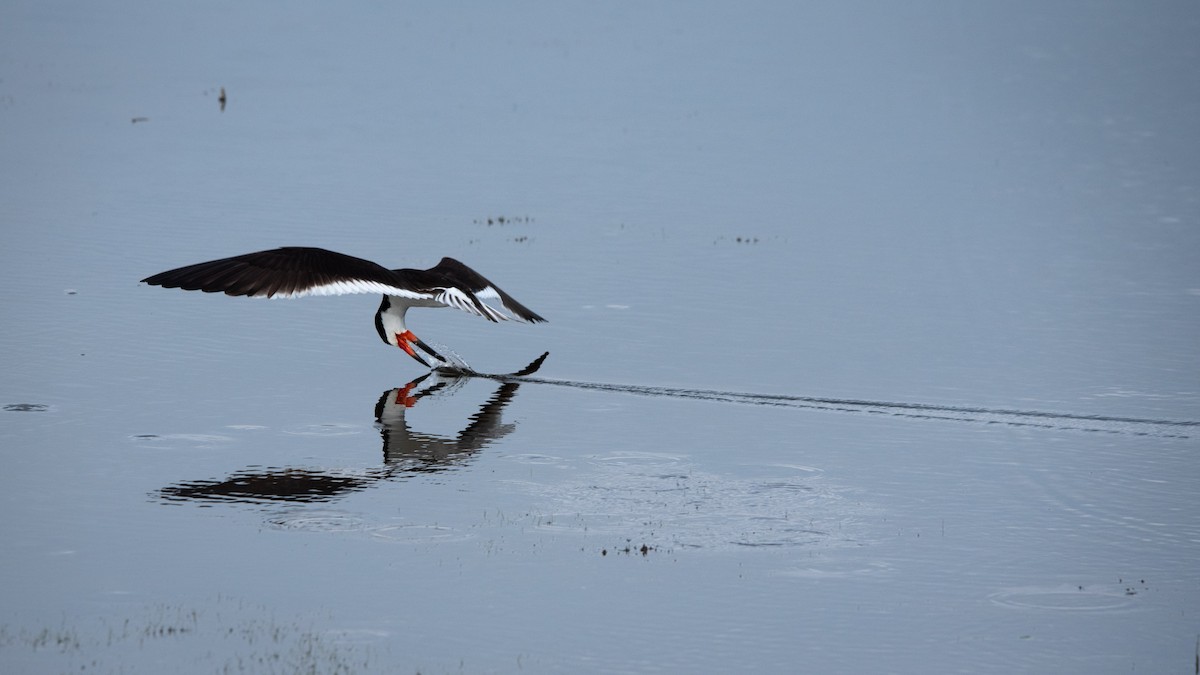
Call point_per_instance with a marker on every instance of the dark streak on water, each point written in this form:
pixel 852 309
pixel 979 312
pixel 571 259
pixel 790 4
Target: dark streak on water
pixel 1135 426
pixel 26 407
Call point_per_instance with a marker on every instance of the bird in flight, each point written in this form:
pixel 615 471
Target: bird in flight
pixel 295 271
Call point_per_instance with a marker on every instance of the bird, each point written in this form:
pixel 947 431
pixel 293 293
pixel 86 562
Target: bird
pixel 298 271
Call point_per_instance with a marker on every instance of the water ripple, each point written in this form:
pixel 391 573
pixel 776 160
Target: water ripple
pixel 665 500
pixel 1066 598
pixel 1112 424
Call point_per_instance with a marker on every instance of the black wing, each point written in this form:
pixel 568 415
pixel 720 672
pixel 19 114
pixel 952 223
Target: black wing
pixel 453 274
pixel 291 271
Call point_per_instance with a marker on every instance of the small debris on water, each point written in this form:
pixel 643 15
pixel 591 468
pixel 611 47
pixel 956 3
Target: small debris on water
pixel 503 220
pixel 630 549
pixel 737 240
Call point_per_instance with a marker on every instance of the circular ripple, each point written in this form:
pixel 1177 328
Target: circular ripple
pixel 418 533
pixel 1064 598
pixel 325 430
pixel 833 572
pixel 190 439
pixel 637 458
pixel 319 521
pixel 533 458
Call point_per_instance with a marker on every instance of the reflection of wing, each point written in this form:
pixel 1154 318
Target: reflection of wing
pixel 286 485
pixel 485 425
pixel 427 452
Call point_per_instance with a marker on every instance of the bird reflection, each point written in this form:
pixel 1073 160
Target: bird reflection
pixel 417 452
pixel 406 452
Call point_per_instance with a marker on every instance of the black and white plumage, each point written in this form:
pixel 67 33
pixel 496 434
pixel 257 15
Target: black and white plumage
pixel 295 271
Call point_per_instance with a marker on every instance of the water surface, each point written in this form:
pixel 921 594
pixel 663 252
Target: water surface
pixel 872 339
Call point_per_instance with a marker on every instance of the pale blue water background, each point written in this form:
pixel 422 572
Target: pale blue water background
pixel 979 208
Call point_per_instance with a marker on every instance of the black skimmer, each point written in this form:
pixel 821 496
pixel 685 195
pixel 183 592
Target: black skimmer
pixel 295 271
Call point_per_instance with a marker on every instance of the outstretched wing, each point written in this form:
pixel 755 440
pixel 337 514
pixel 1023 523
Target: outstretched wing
pixel 297 271
pixel 288 272
pixel 466 289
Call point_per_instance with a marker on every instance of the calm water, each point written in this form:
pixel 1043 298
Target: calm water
pixel 872 339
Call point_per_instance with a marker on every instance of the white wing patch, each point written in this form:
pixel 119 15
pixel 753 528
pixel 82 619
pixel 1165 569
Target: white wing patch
pixel 447 297
pixel 453 297
pixel 350 286
pixel 490 293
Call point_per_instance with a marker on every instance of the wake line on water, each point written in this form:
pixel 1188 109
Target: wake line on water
pixel 1136 426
